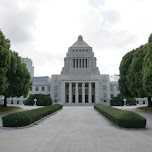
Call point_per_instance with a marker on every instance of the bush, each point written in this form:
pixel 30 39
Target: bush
pixel 122 118
pixel 27 117
pixel 118 101
pixel 131 101
pixel 115 101
pixel 42 100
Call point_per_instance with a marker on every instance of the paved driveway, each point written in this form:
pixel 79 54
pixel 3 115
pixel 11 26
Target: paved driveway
pixel 75 129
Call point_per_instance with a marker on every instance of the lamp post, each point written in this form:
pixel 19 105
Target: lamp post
pixel 1 99
pixel 35 101
pixel 124 101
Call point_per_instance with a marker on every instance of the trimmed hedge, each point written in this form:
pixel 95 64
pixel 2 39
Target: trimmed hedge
pixel 121 118
pixel 27 117
pixel 42 100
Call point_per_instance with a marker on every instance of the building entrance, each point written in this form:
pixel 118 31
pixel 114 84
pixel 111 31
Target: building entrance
pixel 80 92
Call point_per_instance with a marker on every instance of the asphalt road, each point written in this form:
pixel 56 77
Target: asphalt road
pixel 75 129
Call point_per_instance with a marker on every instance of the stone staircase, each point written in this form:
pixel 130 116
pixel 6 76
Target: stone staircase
pixel 79 104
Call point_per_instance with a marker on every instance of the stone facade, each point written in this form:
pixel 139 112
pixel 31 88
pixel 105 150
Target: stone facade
pixel 29 65
pixel 80 80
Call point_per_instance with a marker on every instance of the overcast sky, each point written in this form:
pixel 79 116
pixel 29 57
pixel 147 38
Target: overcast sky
pixel 42 30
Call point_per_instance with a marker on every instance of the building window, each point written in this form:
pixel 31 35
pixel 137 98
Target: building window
pixel 93 86
pixel 31 89
pixel 73 50
pixel 55 87
pixel 36 89
pixel 79 50
pixel 86 63
pixel 86 50
pixel 111 95
pixel 77 62
pixel 49 95
pixel 55 95
pixel 56 80
pixel 111 88
pixel 49 88
pixel 83 63
pixel 86 86
pixel 43 89
pixel 104 87
pixel 104 80
pixel 105 95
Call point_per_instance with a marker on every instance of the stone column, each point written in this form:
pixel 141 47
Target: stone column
pixel 90 93
pixel 76 92
pixel 97 92
pixel 83 92
pixel 62 92
pixel 70 92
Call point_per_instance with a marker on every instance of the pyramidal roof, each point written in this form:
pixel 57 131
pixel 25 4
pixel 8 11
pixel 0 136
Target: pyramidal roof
pixel 80 43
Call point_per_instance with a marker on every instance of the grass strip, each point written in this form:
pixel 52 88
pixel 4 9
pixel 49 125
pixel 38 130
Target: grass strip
pixel 8 108
pixel 149 109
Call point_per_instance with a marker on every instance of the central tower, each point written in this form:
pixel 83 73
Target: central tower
pixel 80 76
pixel 80 59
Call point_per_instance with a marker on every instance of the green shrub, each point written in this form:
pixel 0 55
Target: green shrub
pixel 118 101
pixel 42 100
pixel 131 101
pixel 27 117
pixel 115 101
pixel 122 118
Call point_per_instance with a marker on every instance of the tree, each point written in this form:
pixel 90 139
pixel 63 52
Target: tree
pixel 136 72
pixel 134 76
pixel 147 71
pixel 124 69
pixel 18 79
pixel 4 61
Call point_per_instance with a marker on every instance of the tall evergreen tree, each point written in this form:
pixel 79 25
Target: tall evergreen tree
pixel 136 72
pixel 18 79
pixel 147 71
pixel 124 69
pixel 134 76
pixel 4 61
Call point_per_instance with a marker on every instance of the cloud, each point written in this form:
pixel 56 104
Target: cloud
pixel 17 20
pixel 96 3
pixel 44 29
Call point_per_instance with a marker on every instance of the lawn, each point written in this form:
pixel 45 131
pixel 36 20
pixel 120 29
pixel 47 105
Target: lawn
pixel 146 108
pixel 9 108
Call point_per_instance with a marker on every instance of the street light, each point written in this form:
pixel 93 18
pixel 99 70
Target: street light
pixel 124 101
pixel 35 101
pixel 1 99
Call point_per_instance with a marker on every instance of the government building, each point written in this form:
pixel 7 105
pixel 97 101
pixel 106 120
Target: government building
pixel 80 81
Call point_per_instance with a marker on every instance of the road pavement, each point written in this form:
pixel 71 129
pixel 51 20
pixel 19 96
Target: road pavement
pixel 75 129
